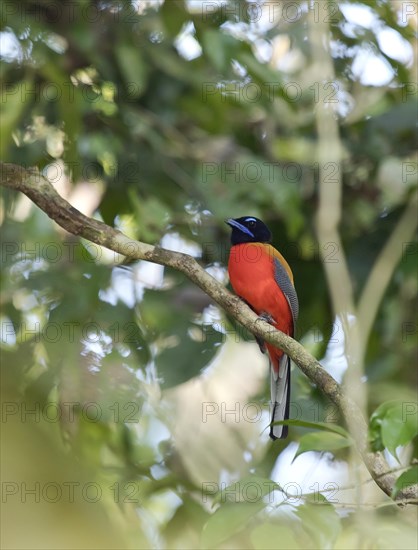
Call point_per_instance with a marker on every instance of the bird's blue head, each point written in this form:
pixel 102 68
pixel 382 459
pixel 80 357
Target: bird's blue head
pixel 248 230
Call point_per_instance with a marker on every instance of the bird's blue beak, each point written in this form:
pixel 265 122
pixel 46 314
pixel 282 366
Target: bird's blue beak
pixel 233 223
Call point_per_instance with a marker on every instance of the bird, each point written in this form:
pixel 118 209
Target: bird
pixel 261 277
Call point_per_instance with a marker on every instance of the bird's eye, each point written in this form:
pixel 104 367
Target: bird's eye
pixel 251 224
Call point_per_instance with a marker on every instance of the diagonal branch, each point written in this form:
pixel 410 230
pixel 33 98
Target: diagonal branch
pixel 42 193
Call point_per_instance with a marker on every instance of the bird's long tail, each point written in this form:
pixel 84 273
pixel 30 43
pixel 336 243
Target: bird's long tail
pixel 280 396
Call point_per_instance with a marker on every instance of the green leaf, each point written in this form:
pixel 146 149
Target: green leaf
pixel 316 425
pixel 249 489
pixel 185 347
pixel 294 150
pixel 375 425
pixel 269 536
pixel 174 16
pixel 321 523
pixel 133 69
pixel 263 73
pixel 322 441
pixel 12 113
pixel 227 520
pixel 70 110
pixel 214 48
pixel 399 427
pixel 408 478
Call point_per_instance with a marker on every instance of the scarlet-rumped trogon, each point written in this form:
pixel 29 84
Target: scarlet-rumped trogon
pixel 263 279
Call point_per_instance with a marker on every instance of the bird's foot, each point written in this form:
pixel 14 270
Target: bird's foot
pixel 264 316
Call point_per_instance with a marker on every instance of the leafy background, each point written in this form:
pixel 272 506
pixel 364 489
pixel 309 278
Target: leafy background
pixel 162 119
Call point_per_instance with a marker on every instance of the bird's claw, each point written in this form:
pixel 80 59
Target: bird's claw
pixel 264 316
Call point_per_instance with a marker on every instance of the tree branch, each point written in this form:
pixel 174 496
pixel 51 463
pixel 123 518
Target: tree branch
pixel 42 193
pixel 383 268
pixel 330 154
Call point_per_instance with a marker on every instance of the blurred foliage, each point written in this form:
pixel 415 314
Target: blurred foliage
pixel 162 119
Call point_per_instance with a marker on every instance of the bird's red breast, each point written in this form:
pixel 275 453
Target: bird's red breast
pixel 252 276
